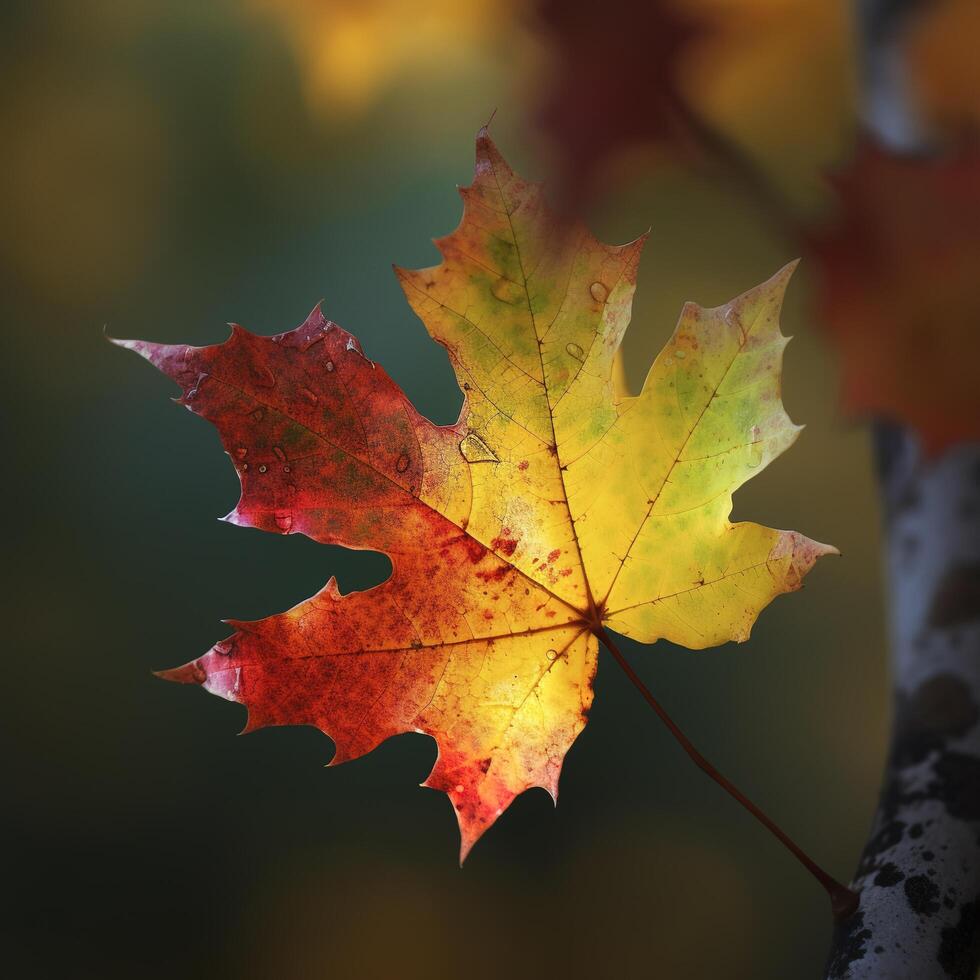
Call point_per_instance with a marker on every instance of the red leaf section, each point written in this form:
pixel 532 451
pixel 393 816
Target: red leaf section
pixel 327 445
pixel 899 290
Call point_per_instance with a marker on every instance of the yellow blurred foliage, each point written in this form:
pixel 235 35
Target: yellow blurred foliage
pixel 436 927
pixel 766 66
pixel 351 51
pixel 942 52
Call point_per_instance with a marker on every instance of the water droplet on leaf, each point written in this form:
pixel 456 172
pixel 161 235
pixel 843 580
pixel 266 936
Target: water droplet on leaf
pixel 575 351
pixel 263 468
pixel 475 450
pixel 599 292
pixel 193 392
pixel 311 340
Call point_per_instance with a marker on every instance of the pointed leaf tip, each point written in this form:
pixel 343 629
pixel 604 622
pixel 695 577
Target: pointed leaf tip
pixel 191 673
pixel 122 342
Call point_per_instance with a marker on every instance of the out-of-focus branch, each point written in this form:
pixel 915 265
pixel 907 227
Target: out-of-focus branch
pixel 919 875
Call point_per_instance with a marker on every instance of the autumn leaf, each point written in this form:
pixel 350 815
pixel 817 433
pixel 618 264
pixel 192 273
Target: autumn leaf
pixel 899 289
pixel 550 512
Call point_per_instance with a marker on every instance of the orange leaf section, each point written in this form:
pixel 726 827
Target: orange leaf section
pixel 899 288
pixel 452 645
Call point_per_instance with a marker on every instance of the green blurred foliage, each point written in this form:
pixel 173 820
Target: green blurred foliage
pixel 165 169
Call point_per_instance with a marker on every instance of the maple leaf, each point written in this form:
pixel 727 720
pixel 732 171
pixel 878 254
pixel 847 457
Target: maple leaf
pixel 899 291
pixel 549 512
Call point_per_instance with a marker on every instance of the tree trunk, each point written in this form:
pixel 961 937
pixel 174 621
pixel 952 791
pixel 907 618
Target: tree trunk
pixel 919 876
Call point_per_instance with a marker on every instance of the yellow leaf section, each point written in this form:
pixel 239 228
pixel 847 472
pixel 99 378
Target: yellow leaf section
pixel 528 306
pixel 663 558
pixel 504 730
pixel 619 506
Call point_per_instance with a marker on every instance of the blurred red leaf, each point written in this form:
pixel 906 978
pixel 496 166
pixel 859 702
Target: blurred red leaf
pixel 614 81
pixel 899 290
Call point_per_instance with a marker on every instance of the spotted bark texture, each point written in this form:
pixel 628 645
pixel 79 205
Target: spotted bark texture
pixel 919 875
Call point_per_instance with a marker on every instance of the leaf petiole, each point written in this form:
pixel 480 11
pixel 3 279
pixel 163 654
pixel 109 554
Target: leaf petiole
pixel 843 901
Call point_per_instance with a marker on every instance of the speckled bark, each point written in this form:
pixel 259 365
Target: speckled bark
pixel 919 875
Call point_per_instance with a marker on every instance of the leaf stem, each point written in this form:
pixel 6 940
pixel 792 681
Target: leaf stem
pixel 843 901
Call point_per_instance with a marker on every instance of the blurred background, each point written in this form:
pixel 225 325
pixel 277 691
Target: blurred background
pixel 169 166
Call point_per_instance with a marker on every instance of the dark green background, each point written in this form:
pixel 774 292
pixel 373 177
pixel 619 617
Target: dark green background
pixel 164 174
